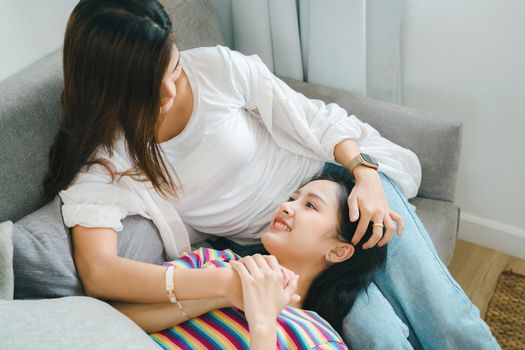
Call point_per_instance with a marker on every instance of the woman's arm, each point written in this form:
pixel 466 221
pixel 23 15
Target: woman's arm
pixel 312 128
pixel 108 276
pixel 368 201
pixel 157 317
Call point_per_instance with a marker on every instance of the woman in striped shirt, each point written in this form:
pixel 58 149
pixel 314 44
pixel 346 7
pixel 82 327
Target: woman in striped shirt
pixel 309 235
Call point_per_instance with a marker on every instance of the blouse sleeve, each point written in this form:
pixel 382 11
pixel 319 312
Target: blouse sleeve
pixel 94 200
pixel 312 128
pixel 204 258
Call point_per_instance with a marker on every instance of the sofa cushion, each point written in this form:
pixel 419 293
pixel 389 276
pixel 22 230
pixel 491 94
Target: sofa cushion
pixel 29 112
pixel 6 260
pixel 441 219
pixel 68 323
pixel 43 262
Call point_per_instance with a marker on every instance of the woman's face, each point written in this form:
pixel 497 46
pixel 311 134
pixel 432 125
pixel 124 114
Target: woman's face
pixel 168 89
pixel 305 227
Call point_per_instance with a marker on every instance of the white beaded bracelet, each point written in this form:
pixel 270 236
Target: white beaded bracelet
pixel 170 289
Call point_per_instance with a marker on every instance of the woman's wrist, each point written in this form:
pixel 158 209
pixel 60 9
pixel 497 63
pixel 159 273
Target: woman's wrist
pixel 263 335
pixel 263 329
pixel 362 172
pixel 262 325
pixel 230 284
pixel 221 303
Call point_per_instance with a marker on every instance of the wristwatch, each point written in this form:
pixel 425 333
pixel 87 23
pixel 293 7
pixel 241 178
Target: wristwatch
pixel 362 159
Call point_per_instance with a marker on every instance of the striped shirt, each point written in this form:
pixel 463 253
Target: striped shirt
pixel 228 329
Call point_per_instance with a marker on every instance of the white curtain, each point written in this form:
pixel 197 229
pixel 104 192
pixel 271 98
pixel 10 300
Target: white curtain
pixel 351 45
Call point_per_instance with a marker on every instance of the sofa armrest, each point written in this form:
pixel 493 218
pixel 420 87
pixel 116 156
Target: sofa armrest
pixel 436 139
pixel 6 261
pixel 68 323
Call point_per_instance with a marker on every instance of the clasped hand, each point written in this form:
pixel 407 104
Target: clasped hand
pixel 267 288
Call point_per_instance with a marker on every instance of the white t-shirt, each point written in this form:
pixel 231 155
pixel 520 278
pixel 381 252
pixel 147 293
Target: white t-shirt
pixel 234 166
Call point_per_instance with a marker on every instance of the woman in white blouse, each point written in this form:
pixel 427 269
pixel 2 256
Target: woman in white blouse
pixel 209 141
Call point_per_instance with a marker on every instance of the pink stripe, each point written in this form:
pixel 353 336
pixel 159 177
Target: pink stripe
pixel 318 325
pixel 289 331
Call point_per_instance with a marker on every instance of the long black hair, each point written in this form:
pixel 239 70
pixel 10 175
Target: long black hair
pixel 335 290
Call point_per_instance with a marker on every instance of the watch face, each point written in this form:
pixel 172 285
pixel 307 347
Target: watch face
pixel 368 158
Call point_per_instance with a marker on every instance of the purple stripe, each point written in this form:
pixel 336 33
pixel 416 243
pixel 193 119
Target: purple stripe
pixel 227 329
pixel 208 341
pixel 324 324
pixel 305 320
pixel 290 331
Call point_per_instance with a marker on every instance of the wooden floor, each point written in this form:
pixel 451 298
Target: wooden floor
pixel 477 270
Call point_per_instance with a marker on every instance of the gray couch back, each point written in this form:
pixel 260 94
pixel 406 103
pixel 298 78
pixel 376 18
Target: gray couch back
pixel 30 110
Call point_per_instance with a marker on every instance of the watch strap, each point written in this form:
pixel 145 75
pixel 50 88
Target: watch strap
pixel 359 160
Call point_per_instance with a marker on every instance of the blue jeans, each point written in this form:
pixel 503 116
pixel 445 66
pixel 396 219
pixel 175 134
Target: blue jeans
pixel 414 302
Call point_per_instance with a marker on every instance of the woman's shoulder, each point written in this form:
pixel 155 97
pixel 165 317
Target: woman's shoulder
pixel 219 69
pixel 218 61
pixel 213 59
pixel 104 170
pixel 203 258
pixel 300 319
pixel 208 54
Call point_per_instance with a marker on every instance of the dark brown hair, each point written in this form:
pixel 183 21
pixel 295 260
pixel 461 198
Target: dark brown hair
pixel 115 56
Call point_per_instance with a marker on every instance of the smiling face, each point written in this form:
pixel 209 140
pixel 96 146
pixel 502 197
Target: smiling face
pixel 305 227
pixel 168 89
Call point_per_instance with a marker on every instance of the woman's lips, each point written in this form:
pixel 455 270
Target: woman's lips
pixel 279 224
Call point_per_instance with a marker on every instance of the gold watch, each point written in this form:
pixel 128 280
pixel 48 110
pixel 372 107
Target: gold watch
pixel 362 159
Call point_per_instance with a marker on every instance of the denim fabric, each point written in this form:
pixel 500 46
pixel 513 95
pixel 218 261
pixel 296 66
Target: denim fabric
pixel 415 288
pixel 372 309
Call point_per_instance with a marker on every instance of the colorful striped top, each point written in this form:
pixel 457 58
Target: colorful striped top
pixel 228 329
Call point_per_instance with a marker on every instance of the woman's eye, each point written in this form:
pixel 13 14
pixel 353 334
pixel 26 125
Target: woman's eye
pixel 291 199
pixel 311 205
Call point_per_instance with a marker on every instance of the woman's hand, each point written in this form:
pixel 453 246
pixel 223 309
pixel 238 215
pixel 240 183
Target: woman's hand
pixel 264 288
pixel 369 199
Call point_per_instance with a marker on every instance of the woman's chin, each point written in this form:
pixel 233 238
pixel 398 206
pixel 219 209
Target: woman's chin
pixel 272 241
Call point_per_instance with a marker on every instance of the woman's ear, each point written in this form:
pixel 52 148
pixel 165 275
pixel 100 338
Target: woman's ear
pixel 340 252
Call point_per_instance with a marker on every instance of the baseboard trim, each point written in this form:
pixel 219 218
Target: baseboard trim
pixel 492 234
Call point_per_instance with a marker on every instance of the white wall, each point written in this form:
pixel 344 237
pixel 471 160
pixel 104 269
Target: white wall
pixel 29 30
pixel 466 58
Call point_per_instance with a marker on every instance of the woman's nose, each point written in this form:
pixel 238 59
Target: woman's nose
pixel 287 209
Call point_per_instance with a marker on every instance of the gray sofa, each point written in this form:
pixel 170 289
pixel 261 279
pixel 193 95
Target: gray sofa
pixel 29 118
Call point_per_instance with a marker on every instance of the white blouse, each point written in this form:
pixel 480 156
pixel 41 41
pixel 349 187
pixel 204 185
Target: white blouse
pixel 234 166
